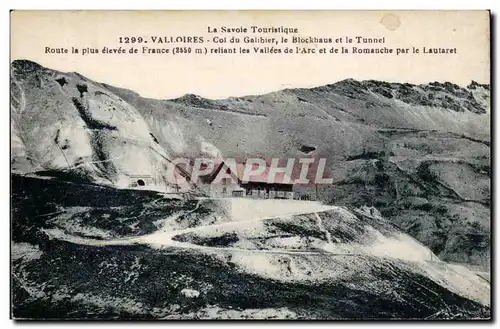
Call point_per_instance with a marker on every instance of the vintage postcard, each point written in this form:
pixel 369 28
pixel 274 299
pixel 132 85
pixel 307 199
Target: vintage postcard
pixel 318 165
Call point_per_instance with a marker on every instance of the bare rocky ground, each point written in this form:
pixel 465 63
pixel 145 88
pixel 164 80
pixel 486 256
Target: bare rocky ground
pixel 419 153
pixel 117 259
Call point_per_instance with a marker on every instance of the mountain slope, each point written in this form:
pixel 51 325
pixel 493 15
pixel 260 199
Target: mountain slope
pixel 419 153
pixel 93 252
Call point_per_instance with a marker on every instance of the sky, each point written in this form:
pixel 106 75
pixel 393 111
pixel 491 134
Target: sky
pixel 219 75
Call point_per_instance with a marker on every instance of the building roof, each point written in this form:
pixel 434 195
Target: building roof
pixel 279 178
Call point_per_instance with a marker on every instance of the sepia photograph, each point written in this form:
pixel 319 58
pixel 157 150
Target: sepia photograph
pixel 250 165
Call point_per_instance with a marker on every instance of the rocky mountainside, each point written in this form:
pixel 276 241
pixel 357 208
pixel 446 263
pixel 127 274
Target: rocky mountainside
pixel 420 154
pixel 84 251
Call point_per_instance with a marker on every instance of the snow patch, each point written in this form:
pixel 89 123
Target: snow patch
pixel 190 293
pixel 25 250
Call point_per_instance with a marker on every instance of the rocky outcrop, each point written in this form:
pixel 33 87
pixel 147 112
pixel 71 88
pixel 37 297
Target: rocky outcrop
pixel 94 252
pixel 419 153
